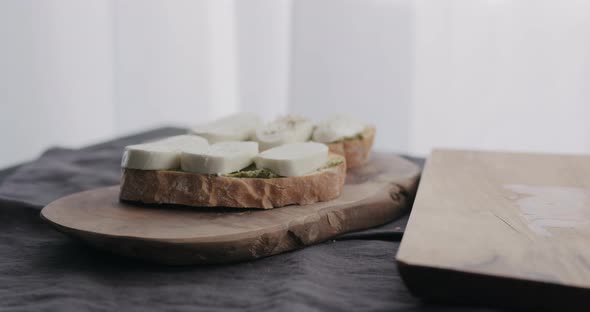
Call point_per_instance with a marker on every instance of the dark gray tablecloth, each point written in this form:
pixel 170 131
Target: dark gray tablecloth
pixel 41 269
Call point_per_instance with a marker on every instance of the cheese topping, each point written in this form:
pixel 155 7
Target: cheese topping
pixel 219 158
pixel 336 128
pixel 160 155
pixel 236 127
pixel 288 129
pixel 293 159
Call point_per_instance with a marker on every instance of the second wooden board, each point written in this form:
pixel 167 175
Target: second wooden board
pixel 500 228
pixel 373 195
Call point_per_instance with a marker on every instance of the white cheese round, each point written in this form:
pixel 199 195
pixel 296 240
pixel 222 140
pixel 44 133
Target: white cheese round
pixel 236 127
pixel 160 155
pixel 293 159
pixel 288 129
pixel 336 128
pixel 219 158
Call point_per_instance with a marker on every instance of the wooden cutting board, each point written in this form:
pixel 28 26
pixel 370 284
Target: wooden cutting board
pixel 373 195
pixel 507 229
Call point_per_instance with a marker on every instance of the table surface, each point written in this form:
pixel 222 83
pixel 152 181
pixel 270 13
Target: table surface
pixel 41 269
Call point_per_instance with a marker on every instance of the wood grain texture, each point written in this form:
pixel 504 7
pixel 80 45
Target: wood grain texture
pixel 373 195
pixel 509 229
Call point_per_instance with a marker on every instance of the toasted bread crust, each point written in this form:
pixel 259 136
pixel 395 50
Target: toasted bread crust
pixel 355 151
pixel 183 188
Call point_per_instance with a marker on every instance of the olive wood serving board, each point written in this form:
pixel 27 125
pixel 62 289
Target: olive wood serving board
pixel 177 235
pixel 501 229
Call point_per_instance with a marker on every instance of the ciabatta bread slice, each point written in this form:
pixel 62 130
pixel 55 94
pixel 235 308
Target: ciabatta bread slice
pixel 355 150
pixel 200 190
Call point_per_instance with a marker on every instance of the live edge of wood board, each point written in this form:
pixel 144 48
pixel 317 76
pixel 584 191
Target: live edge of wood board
pixel 373 195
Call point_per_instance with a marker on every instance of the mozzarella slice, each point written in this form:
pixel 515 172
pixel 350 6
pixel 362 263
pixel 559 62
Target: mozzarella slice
pixel 336 128
pixel 160 155
pixel 236 127
pixel 180 141
pixel 294 159
pixel 288 129
pixel 219 158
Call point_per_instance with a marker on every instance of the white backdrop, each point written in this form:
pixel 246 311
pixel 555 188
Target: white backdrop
pixel 459 73
pixel 502 75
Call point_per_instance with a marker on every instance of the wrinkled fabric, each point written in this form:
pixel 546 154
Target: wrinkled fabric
pixel 43 270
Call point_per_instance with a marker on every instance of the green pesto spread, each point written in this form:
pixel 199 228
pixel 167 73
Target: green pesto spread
pixel 252 172
pixel 332 163
pixel 354 137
